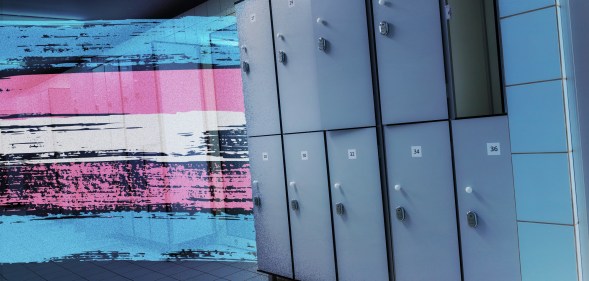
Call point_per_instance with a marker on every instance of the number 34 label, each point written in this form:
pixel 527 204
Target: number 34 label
pixel 493 149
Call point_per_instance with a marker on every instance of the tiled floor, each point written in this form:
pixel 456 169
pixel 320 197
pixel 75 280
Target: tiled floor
pixel 131 270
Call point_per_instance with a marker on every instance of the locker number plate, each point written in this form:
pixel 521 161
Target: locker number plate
pixel 304 155
pixel 416 152
pixel 493 149
pixel 265 156
pixel 291 3
pixel 352 154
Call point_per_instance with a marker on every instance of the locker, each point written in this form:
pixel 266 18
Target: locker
pixel 326 71
pixel 293 35
pixel 344 69
pixel 421 195
pixel 410 57
pixel 357 205
pixel 486 203
pixel 258 69
pixel 306 170
pixel 270 205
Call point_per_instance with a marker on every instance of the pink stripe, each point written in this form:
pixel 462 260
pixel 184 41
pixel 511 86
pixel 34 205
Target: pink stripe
pixel 103 186
pixel 130 92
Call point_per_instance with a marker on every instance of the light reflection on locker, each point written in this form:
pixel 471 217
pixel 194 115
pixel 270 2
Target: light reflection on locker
pixel 410 60
pixel 357 205
pixel 270 210
pixel 306 170
pixel 421 185
pixel 487 216
pixel 258 75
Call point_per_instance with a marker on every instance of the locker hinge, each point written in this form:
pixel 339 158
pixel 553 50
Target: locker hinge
pixel 448 11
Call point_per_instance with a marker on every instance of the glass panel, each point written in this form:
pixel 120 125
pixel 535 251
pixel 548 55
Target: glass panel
pixel 510 7
pixel 536 117
pixel 547 252
pixel 542 188
pixel 530 47
pixel 475 58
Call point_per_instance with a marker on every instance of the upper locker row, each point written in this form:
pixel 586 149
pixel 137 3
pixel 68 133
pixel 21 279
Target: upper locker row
pixel 323 64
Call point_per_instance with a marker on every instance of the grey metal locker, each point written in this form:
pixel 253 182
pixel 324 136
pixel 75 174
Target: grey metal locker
pixel 270 205
pixel 410 56
pixel 357 205
pixel 258 69
pixel 486 203
pixel 310 214
pixel 421 195
pixel 344 69
pixel 324 72
pixel 293 33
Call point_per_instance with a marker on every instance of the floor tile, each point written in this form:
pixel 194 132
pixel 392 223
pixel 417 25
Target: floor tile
pixel 224 271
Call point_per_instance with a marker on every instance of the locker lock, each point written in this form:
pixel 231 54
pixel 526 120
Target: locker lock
pixel 294 205
pixel 322 44
pixel 339 208
pixel 245 66
pixel 282 57
pixel 400 213
pixel 257 201
pixel 473 219
pixel 383 28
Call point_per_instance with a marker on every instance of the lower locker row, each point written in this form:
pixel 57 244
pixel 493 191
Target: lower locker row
pixel 318 203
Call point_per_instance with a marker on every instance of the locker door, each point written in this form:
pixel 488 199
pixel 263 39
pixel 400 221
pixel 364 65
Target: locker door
pixel 310 215
pixel 258 72
pixel 293 33
pixel 423 214
pixel 270 205
pixel 484 180
pixel 357 205
pixel 343 66
pixel 410 58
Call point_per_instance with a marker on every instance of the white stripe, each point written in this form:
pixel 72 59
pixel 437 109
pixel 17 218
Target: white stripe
pixel 178 133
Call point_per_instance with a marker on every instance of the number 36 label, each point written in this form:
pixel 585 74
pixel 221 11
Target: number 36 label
pixel 493 149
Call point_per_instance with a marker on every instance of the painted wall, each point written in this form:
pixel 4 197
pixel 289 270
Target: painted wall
pixel 123 140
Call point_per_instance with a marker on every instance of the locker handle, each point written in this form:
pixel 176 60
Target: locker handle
pixel 257 201
pixel 282 57
pixel 245 66
pixel 294 205
pixel 322 44
pixel 383 28
pixel 339 209
pixel 255 184
pixel 473 219
pixel 400 213
pixel 292 184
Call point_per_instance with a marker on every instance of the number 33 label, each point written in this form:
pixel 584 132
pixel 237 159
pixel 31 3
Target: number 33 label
pixel 493 149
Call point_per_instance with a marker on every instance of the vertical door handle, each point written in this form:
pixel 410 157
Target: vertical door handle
pixel 472 218
pixel 294 205
pixel 257 201
pixel 400 213
pixel 322 44
pixel 282 57
pixel 245 66
pixel 383 28
pixel 339 209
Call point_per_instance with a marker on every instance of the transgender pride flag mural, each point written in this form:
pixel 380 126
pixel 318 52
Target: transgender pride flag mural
pixel 123 140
